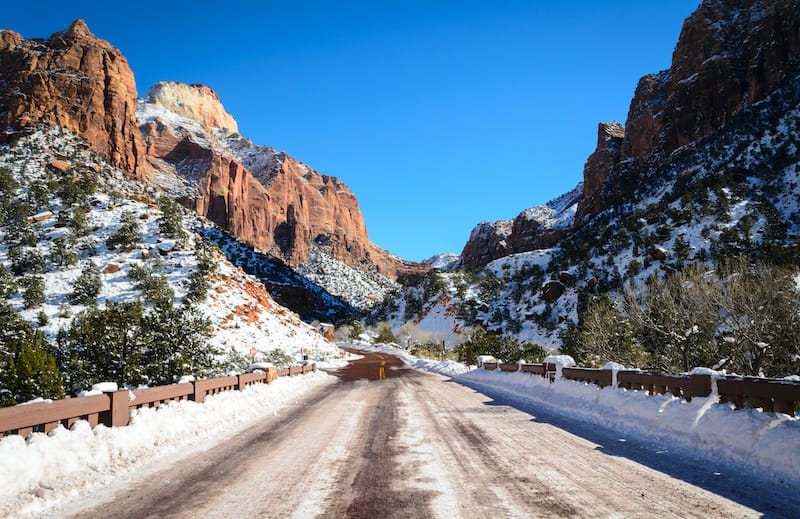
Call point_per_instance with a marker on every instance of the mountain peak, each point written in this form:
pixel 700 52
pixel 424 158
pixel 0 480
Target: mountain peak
pixel 78 29
pixel 196 102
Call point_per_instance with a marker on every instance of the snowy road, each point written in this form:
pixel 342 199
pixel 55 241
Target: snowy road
pixel 418 445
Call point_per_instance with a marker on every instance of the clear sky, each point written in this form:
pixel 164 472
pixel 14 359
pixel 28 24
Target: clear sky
pixel 437 114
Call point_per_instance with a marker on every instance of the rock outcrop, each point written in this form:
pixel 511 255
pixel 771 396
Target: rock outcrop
pixel 74 80
pixel 261 196
pixel 539 227
pixel 730 55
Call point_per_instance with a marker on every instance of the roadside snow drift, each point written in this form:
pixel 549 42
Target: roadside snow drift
pixel 37 474
pixel 766 443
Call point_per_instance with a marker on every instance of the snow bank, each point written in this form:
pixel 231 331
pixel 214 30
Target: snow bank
pixel 768 443
pixel 35 475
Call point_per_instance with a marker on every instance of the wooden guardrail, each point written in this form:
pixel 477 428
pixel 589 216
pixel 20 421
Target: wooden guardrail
pixel 771 395
pixel 113 408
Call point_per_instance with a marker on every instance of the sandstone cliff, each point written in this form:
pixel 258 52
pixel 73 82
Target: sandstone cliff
pixel 730 55
pixel 73 80
pixel 261 196
pixel 539 227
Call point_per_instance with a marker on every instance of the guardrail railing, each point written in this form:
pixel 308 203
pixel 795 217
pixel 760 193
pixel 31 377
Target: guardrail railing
pixel 771 395
pixel 113 408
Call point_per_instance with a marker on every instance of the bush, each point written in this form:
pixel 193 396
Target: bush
pixel 385 334
pixel 127 236
pixel 8 285
pixel 154 285
pixel 87 286
pixel 279 358
pixel 125 344
pixel 481 342
pixel 198 287
pixel 171 224
pixel 33 291
pixel 62 252
pixel 27 370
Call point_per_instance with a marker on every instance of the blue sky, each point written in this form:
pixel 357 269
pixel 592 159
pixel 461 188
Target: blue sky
pixel 437 114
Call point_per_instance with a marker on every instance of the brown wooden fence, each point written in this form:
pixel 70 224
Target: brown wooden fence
pixel 113 408
pixel 771 395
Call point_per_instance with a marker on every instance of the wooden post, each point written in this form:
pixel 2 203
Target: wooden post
pixel 119 413
pixel 700 385
pixel 199 393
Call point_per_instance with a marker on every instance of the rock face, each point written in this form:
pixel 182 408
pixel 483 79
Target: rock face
pixel 73 80
pixel 487 242
pixel 535 228
pixel 261 196
pixel 730 55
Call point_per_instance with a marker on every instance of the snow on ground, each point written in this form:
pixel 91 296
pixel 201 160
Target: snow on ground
pixel 244 316
pixel 764 443
pixel 47 469
pixel 754 441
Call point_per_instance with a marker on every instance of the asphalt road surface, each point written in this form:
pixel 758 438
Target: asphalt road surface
pixel 388 441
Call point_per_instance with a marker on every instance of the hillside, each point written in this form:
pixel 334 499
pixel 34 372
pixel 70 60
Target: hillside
pixel 646 212
pixel 64 210
pixel 264 198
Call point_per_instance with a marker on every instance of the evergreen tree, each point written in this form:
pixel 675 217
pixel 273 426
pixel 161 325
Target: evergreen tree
pixel 198 287
pixel 27 370
pixel 171 224
pixel 175 343
pixel 103 345
pixel 63 252
pixel 8 285
pixel 87 286
pixel 127 236
pixel 125 344
pixel 33 294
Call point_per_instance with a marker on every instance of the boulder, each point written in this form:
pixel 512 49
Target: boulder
pixel 552 290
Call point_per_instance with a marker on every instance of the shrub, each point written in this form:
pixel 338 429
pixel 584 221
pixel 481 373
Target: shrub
pixel 171 224
pixel 198 287
pixel 87 286
pixel 127 236
pixel 125 344
pixel 33 291
pixel 27 370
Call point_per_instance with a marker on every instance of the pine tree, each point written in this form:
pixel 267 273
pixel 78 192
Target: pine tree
pixel 127 235
pixel 87 286
pixel 8 286
pixel 33 294
pixel 171 224
pixel 102 345
pixel 27 370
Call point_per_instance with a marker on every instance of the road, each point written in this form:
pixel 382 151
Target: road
pixel 414 445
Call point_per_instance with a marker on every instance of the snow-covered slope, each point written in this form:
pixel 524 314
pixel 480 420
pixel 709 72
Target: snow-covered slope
pixel 241 312
pixel 737 193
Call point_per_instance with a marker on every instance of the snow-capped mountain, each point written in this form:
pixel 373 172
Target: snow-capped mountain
pixel 263 197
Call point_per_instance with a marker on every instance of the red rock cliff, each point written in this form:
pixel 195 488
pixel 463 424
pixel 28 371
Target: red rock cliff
pixel 261 196
pixel 730 54
pixel 73 80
